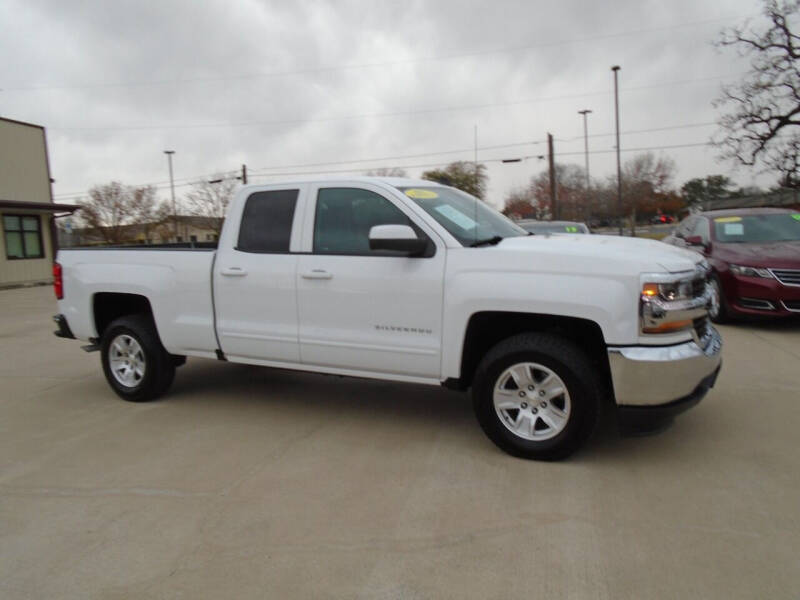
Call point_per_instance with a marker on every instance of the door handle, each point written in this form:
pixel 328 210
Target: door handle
pixel 317 274
pixel 234 272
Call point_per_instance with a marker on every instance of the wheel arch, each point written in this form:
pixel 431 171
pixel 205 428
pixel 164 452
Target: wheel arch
pixel 109 306
pixel 488 328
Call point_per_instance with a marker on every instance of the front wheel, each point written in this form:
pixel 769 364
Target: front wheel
pixel 536 396
pixel 136 365
pixel 718 310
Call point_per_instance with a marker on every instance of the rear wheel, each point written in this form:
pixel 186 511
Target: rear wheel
pixel 536 396
pixel 136 365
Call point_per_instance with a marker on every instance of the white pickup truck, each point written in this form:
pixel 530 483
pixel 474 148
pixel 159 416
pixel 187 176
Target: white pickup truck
pixel 407 280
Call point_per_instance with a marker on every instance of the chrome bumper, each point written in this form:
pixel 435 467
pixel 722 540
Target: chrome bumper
pixel 653 375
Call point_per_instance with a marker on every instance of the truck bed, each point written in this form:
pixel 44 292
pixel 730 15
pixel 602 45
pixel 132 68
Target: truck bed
pixel 176 281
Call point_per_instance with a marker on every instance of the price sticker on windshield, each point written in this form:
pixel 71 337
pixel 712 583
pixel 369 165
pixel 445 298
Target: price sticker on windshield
pixel 728 219
pixel 571 229
pixel 796 216
pixel 734 228
pixel 422 194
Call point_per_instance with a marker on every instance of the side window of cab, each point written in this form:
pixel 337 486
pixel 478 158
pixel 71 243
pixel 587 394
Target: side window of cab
pixel 344 217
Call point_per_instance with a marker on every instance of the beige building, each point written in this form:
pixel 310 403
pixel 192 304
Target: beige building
pixel 27 211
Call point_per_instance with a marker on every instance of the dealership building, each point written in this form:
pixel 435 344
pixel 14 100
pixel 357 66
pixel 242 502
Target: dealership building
pixel 27 210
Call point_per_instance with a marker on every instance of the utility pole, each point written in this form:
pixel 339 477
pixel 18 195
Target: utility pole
pixel 585 112
pixel 556 213
pixel 169 154
pixel 244 174
pixel 615 69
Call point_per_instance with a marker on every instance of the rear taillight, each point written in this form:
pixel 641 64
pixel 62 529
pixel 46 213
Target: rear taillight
pixel 58 281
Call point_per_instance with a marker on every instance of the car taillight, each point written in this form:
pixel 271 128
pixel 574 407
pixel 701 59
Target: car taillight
pixel 58 281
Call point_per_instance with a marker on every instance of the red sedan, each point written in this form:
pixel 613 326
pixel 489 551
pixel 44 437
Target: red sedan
pixel 755 256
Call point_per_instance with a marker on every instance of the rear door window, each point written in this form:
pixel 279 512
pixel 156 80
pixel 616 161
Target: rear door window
pixel 267 222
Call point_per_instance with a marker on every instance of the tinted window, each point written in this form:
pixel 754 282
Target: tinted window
pixel 267 221
pixel 344 217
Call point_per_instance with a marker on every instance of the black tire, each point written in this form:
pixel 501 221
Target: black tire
pixel 563 358
pixel 159 370
pixel 723 315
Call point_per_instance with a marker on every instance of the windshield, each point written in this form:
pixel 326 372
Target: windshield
pixel 468 219
pixel 555 227
pixel 769 227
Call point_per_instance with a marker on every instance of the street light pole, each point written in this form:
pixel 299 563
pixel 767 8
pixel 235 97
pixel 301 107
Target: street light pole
pixel 169 154
pixel 585 112
pixel 615 69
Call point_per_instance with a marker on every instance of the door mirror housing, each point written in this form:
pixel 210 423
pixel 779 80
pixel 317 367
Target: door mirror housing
pixel 696 240
pixel 396 238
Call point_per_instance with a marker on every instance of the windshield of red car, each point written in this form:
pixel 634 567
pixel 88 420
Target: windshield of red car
pixel 768 227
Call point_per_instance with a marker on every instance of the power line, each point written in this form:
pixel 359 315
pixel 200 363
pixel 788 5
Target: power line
pixel 633 131
pixel 377 64
pixel 269 171
pixel 384 114
pixel 77 195
pixel 358 160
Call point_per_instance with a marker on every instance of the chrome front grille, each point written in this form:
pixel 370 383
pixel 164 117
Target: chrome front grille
pixel 787 276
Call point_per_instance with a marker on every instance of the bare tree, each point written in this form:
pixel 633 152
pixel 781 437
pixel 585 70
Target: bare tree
pixel 763 109
pixel 107 211
pixel 520 203
pixel 645 178
pixel 387 172
pixel 144 208
pixel 210 201
pixel 113 207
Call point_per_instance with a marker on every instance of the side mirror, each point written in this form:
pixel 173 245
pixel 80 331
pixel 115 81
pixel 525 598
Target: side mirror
pixel 696 240
pixel 396 238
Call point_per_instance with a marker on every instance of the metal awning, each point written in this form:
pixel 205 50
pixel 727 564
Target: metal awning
pixel 43 206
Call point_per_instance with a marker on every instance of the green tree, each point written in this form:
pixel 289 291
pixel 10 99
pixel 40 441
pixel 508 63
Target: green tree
pixel 700 191
pixel 466 176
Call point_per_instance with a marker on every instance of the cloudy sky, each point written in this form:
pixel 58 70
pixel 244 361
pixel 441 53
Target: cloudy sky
pixel 296 86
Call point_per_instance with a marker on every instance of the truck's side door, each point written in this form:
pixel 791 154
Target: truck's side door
pixel 255 293
pixel 364 310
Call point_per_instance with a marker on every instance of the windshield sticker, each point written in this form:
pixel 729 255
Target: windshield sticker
pixel 455 215
pixel 422 194
pixel 728 219
pixel 734 228
pixel 571 229
pixel 796 216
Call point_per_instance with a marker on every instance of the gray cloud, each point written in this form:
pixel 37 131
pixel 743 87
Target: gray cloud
pixel 101 69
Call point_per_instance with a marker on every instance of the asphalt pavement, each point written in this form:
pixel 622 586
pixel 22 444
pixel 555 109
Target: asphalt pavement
pixel 254 483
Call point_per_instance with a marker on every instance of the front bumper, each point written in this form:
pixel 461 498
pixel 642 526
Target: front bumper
pixel 658 375
pixel 760 296
pixel 646 419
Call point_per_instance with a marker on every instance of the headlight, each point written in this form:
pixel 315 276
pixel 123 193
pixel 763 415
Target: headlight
pixel 743 271
pixel 676 290
pixel 670 303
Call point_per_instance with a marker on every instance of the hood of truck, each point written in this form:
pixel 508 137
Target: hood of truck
pixel 635 254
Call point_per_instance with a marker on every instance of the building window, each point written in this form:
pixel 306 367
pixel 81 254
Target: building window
pixel 209 237
pixel 192 238
pixel 23 234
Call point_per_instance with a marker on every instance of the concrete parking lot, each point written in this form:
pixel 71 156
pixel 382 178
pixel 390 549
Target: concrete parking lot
pixel 256 483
